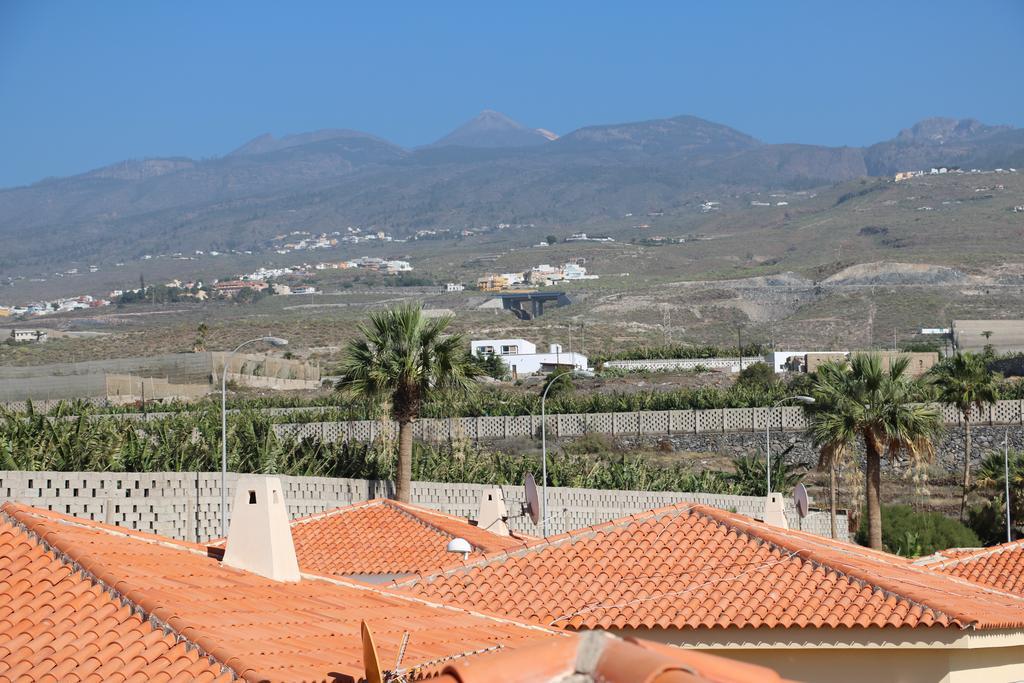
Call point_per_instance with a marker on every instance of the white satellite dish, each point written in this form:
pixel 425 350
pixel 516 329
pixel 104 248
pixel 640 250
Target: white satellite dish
pixel 801 499
pixel 532 506
pixel 461 546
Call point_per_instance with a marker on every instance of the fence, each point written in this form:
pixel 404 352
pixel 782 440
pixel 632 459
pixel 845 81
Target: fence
pixel 186 505
pixel 682 363
pixel 717 421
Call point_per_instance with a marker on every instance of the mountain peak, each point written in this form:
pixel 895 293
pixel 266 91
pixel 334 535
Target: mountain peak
pixel 941 130
pixel 491 128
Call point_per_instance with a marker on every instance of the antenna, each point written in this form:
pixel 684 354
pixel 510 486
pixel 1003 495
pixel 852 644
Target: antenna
pixel 532 505
pixel 371 662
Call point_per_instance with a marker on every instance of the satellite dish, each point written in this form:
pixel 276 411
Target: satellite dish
pixel 459 545
pixel 371 662
pixel 801 500
pixel 532 507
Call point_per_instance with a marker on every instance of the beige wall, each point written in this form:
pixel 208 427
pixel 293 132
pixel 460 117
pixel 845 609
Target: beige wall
pixel 920 362
pixel 872 655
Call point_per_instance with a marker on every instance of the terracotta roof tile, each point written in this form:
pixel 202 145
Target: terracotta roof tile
pixel 259 628
pixel 1000 566
pixel 690 566
pixel 98 603
pixel 54 621
pixel 386 537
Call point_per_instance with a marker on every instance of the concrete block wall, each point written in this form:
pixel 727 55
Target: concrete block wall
pixel 715 421
pixel 186 505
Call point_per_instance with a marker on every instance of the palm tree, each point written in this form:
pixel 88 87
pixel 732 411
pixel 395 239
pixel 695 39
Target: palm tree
pixel 964 381
pixel 834 431
pixel 861 400
pixel 403 361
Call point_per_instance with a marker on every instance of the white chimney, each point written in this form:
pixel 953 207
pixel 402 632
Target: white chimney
pixel 775 511
pixel 260 539
pixel 493 512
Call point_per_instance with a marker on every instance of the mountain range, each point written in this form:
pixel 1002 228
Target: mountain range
pixel 491 169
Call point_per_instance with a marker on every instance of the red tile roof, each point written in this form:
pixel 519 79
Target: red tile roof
pixel 690 566
pixel 81 600
pixel 1000 566
pixel 261 629
pixel 387 537
pixel 55 622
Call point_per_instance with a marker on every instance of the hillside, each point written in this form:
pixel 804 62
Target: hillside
pixel 487 171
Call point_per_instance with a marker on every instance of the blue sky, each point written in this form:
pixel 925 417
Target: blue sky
pixel 86 84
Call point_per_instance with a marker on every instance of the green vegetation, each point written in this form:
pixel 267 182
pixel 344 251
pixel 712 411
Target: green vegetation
pixel 672 351
pixel 402 361
pixel 189 442
pixel 758 375
pixel 911 533
pixel 750 477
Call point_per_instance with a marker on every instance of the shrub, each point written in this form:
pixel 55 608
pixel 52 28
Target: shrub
pixel 911 533
pixel 757 376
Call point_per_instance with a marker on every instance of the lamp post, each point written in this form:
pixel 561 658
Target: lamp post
pixel 273 341
pixel 805 400
pixel 544 449
pixel 1006 481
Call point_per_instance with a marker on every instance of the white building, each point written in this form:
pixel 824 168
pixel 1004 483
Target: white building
pixel 35 336
pixel 522 358
pixel 454 287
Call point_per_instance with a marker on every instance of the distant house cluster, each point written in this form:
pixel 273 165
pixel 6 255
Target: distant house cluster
pixel 943 170
pixel 538 276
pixel 61 305
pixel 372 263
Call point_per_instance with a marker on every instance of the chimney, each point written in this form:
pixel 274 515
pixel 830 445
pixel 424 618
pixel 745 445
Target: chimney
pixel 493 512
pixel 775 511
pixel 260 539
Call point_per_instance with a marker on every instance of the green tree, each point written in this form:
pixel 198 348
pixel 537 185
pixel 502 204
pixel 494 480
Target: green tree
pixel 876 404
pixel 199 344
pixel 758 375
pixel 404 360
pixel 551 239
pixel 965 382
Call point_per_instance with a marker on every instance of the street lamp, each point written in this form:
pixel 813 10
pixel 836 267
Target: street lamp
pixel 273 341
pixel 1006 481
pixel 805 400
pixel 544 446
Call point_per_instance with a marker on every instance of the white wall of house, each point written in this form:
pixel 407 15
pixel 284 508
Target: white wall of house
pixel 522 358
pixel 501 347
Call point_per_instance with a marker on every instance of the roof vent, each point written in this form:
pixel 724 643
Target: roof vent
pixel 260 539
pixel 493 512
pixel 775 511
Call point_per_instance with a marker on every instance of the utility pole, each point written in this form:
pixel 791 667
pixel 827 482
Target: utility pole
pixel 739 344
